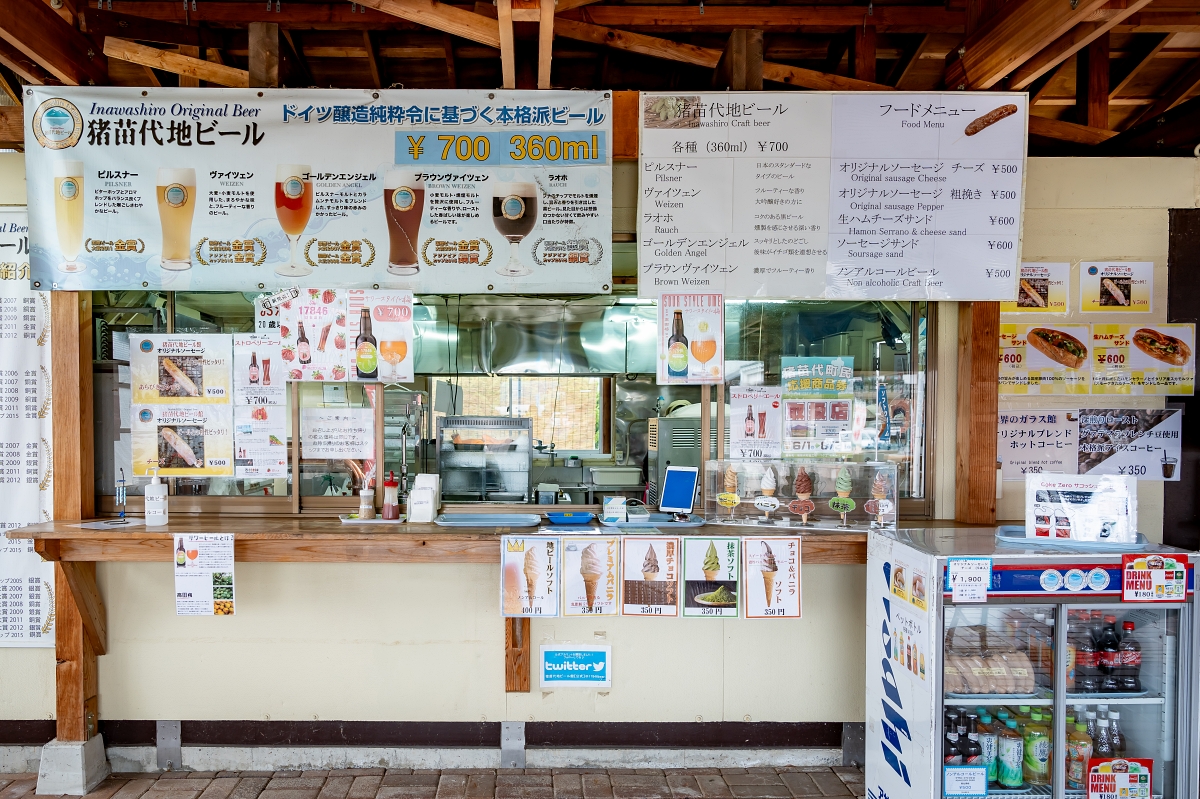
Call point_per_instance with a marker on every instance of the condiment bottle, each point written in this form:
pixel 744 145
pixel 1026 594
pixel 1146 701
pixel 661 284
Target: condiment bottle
pixel 391 497
pixel 156 501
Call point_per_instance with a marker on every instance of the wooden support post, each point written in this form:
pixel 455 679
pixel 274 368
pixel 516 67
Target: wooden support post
pixel 373 60
pixel 75 596
pixel 451 67
pixel 191 51
pixel 516 655
pixel 545 42
pixel 741 65
pixel 978 389
pixel 264 55
pixel 508 58
pixel 720 424
pixel 864 52
pixel 1091 84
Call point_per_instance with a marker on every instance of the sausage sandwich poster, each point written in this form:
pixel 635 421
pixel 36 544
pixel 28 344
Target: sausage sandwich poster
pixel 230 189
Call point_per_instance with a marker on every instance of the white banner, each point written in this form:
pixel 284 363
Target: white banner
pixel 26 582
pixel 426 190
pixel 854 195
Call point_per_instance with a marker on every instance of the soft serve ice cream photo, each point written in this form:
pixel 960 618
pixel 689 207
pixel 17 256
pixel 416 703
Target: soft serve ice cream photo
pixel 590 575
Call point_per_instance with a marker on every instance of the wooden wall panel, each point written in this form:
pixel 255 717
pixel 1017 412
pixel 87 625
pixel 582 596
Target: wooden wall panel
pixel 978 400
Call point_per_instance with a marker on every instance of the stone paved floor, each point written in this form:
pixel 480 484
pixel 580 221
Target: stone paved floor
pixel 378 783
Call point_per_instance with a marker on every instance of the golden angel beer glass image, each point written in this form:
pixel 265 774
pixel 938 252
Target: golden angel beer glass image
pixel 514 210
pixel 176 207
pixel 403 202
pixel 293 207
pixel 68 212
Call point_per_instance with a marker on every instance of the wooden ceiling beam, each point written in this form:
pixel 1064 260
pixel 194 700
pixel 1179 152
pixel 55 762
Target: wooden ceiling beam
pixel 373 60
pixel 12 126
pixel 1091 83
pixel 1067 131
pixel 33 28
pixel 508 55
pixel 1147 57
pixel 1044 91
pixel 96 22
pixel 1068 45
pixel 451 63
pixel 1152 21
pixel 442 17
pixel 25 67
pixel 175 63
pixel 545 42
pixel 1017 32
pixel 1176 91
pixel 296 45
pixel 893 19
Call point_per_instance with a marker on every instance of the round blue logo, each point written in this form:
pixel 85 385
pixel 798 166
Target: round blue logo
pixel 1051 580
pixel 1097 579
pixel 145 415
pixel 147 345
pixel 1092 270
pixel 1075 580
pixel 512 207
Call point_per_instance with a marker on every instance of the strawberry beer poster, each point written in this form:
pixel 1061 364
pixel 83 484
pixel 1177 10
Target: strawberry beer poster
pixel 902 753
pixel 691 339
pixel 314 335
pixel 426 190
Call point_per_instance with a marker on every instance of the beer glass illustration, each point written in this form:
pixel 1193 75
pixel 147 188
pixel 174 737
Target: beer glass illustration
pixel 293 207
pixel 393 352
pixel 403 202
pixel 68 212
pixel 704 344
pixel 176 206
pixel 514 211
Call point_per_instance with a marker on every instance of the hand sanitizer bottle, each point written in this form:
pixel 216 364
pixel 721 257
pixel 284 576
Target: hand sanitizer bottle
pixel 156 501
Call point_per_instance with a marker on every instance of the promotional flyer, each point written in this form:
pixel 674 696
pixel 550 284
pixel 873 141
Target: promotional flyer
pixel 772 578
pixel 314 335
pixel 1116 286
pixel 1042 288
pixel 711 577
pixel 1045 359
pixel 380 327
pixel 190 190
pixel 691 339
pixel 204 574
pixel 590 580
pixel 650 570
pixel 818 395
pixel 759 434
pixel 1081 508
pixel 260 420
pixel 341 433
pixel 529 575
pixel 181 369
pixel 1144 359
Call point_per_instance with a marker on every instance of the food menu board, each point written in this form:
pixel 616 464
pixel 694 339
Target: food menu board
pixel 1045 359
pixel 772 577
pixel 650 574
pixel 260 417
pixel 1144 359
pixel 691 339
pixel 26 442
pixel 855 195
pixel 385 353
pixel 1042 288
pixel 182 412
pixel 1116 286
pixel 434 191
pixel 590 575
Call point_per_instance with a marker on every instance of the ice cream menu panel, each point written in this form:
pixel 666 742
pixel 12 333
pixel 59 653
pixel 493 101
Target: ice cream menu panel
pixel 843 195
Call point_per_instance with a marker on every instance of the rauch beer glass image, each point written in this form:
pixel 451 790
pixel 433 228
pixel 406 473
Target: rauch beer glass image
pixel 404 202
pixel 514 210
pixel 293 208
pixel 176 206
pixel 68 212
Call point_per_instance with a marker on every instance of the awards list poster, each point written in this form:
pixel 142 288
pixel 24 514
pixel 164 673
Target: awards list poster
pixel 430 191
pixel 840 196
pixel 26 443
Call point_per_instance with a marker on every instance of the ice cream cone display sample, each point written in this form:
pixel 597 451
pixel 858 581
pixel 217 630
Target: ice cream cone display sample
pixel 879 486
pixel 712 572
pixel 845 483
pixel 803 485
pixel 650 569
pixel 530 575
pixel 776 562
pixel 768 483
pixel 590 576
pixel 731 479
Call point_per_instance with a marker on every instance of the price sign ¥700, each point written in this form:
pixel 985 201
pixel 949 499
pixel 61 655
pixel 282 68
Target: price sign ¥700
pixel 969 579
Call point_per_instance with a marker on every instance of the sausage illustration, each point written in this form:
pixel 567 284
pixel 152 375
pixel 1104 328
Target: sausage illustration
pixel 1032 293
pixel 990 118
pixel 181 379
pixel 176 442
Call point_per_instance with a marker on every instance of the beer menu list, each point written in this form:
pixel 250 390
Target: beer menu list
pixel 842 195
pixel 26 582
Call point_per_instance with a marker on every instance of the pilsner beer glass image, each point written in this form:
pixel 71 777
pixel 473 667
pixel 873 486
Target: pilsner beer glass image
pixel 68 212
pixel 176 207
pixel 403 202
pixel 514 210
pixel 293 207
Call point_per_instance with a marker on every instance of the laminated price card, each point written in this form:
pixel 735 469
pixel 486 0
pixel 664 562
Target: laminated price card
pixel 969 579
pixel 204 574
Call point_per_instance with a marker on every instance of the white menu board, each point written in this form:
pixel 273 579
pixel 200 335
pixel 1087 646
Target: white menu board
pixel 204 574
pixel 260 418
pixel 26 581
pixel 855 195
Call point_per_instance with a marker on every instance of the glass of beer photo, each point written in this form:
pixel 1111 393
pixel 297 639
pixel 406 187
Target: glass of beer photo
pixel 704 344
pixel 514 211
pixel 393 353
pixel 293 208
pixel 176 206
pixel 403 202
pixel 68 212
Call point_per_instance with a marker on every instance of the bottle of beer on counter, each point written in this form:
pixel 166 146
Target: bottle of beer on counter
pixel 366 349
pixel 303 348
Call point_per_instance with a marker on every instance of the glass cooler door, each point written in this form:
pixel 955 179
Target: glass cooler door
pixel 998 695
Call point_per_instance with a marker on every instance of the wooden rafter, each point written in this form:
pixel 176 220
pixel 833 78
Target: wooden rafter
pixel 1017 32
pixel 442 17
pixel 296 45
pixel 373 60
pixel 175 63
pixel 1175 92
pixel 893 19
pixel 451 66
pixel 34 29
pixel 1068 45
pixel 1067 131
pixel 1141 64
pixel 1044 92
pixel 191 51
pixel 99 23
pixel 508 56
pixel 12 126
pixel 25 67
pixel 8 90
pixel 545 42
pixel 1091 84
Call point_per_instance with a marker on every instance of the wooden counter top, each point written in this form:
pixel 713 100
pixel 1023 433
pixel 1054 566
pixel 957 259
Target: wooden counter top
pixel 328 540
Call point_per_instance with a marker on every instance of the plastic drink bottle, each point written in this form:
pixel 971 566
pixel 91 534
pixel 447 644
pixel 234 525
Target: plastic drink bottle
pixel 1037 751
pixel 1103 741
pixel 1115 736
pixel 1131 660
pixel 1011 754
pixel 1079 749
pixel 988 745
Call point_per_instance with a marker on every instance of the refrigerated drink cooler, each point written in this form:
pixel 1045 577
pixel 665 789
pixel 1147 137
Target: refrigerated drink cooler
pixel 1002 684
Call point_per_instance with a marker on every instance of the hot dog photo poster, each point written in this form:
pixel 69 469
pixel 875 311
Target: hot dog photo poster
pixel 1116 286
pixel 1144 359
pixel 1042 288
pixel 1045 359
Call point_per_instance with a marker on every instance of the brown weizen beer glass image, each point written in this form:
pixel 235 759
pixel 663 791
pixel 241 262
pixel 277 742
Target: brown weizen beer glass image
pixel 68 212
pixel 176 195
pixel 293 208
pixel 404 203
pixel 514 210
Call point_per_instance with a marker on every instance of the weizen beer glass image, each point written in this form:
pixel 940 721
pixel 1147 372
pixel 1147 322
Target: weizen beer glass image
pixel 404 203
pixel 176 207
pixel 68 212
pixel 293 207
pixel 514 210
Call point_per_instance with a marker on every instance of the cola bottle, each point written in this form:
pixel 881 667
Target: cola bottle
pixel 1108 647
pixel 1131 660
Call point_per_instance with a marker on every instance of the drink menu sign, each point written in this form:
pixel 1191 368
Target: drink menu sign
pixel 758 434
pixel 26 443
pixel 691 340
pixel 432 191
pixel 853 195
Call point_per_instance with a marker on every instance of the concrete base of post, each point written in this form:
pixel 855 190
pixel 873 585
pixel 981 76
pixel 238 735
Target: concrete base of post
pixel 72 768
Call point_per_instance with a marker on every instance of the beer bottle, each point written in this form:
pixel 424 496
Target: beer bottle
pixel 677 348
pixel 366 349
pixel 303 348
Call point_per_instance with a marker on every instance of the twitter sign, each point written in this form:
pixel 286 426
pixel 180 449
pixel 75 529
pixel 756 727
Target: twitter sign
pixel 578 666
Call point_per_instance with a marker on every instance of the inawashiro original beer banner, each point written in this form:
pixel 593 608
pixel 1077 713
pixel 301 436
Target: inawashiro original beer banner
pixel 229 189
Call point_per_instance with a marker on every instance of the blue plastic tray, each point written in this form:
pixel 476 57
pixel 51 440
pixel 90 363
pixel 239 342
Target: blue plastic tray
pixel 488 520
pixel 1014 535
pixel 656 520
pixel 572 517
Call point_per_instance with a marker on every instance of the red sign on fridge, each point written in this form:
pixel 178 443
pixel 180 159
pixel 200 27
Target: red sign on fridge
pixel 1153 578
pixel 1119 778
